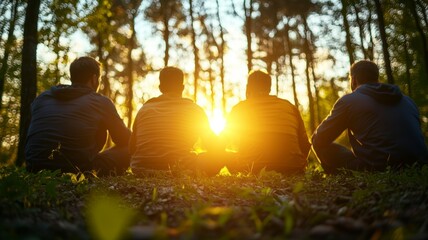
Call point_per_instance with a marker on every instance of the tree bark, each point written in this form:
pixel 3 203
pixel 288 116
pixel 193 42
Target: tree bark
pixel 248 29
pixel 420 30
pixel 221 55
pixel 370 48
pixel 28 74
pixel 408 66
pixel 361 30
pixel 7 49
pixel 290 62
pixel 166 32
pixel 349 45
pixel 383 37
pixel 130 94
pixel 195 52
pixel 308 78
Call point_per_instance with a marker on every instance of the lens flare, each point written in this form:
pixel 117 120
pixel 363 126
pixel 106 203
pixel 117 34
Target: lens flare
pixel 217 121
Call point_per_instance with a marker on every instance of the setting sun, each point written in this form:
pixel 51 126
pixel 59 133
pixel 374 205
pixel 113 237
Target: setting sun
pixel 217 121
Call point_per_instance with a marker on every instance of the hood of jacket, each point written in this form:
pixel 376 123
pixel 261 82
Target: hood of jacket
pixel 69 92
pixel 383 93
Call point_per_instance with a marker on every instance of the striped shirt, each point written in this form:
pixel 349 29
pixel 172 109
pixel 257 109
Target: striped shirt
pixel 268 131
pixel 165 131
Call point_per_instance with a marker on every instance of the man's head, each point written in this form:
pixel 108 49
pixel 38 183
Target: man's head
pixel 259 83
pixel 85 71
pixel 363 72
pixel 171 80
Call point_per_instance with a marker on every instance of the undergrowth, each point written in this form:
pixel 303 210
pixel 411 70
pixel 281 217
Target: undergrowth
pixel 351 205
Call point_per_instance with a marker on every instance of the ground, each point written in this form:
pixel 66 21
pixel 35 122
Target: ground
pixel 351 205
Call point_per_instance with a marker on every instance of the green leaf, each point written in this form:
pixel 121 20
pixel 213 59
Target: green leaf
pixel 106 219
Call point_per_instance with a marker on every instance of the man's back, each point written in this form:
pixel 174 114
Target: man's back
pixel 269 131
pixel 74 121
pixel 165 131
pixel 384 127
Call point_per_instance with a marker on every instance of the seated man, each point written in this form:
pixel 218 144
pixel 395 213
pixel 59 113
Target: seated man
pixel 69 126
pixel 167 127
pixel 266 130
pixel 383 126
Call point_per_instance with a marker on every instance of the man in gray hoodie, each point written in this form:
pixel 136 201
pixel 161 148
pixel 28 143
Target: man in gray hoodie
pixel 383 126
pixel 69 126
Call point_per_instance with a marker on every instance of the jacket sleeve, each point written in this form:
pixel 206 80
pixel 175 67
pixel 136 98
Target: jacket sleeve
pixel 335 123
pixel 119 133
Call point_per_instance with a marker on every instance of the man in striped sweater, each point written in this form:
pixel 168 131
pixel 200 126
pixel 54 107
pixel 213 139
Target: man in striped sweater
pixel 167 127
pixel 267 131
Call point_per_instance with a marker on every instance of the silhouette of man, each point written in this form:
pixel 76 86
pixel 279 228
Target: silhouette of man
pixel 383 126
pixel 69 126
pixel 266 130
pixel 167 127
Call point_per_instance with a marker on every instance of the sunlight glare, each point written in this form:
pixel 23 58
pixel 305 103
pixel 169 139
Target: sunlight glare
pixel 217 121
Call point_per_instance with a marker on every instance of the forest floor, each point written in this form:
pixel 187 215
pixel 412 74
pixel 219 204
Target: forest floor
pixel 352 205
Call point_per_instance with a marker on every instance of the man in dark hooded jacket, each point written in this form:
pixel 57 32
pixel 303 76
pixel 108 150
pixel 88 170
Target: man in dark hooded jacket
pixel 69 126
pixel 383 126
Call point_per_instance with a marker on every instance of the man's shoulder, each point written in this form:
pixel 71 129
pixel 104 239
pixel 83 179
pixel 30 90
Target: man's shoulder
pixel 178 104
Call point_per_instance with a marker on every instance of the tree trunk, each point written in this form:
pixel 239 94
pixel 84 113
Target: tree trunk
pixel 408 66
pixel 130 94
pixel 28 74
pixel 370 48
pixel 308 78
pixel 166 32
pixel 248 29
pixel 290 62
pixel 414 12
pixel 424 10
pixel 195 52
pixel 361 30
pixel 383 37
pixel 7 48
pixel 105 83
pixel 349 45
pixel 221 55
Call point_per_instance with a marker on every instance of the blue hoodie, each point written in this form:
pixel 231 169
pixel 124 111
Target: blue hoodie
pixel 383 126
pixel 73 120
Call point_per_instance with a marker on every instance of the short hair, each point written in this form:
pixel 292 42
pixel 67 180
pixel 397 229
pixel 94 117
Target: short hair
pixel 171 80
pixel 82 69
pixel 259 81
pixel 365 71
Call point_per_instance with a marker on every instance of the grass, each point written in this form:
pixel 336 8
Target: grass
pixel 352 205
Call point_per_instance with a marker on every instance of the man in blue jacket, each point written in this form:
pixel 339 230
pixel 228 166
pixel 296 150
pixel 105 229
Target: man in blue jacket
pixel 69 126
pixel 383 126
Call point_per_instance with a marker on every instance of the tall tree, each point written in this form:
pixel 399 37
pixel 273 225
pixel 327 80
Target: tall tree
pixel 383 37
pixel 248 11
pixel 8 47
pixel 169 14
pixel 221 49
pixel 28 73
pixel 289 46
pixel 307 51
pixel 361 29
pixel 422 35
pixel 132 13
pixel 349 44
pixel 195 51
